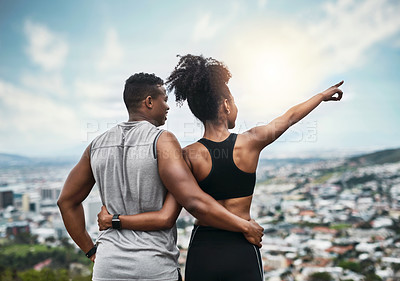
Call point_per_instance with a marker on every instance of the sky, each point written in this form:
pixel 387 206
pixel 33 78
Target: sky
pixel 63 65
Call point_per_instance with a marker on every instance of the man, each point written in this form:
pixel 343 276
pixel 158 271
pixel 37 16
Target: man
pixel 135 164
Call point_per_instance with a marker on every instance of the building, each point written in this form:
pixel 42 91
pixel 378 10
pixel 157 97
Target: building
pixel 50 193
pixel 31 202
pixel 6 198
pixel 18 227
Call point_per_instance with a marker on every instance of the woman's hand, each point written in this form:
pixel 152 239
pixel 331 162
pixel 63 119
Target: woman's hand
pixel 104 219
pixel 333 93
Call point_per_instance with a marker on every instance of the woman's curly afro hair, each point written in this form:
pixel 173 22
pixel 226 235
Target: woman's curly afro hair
pixel 202 82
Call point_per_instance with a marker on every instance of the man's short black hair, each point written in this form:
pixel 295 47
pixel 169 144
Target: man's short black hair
pixel 138 87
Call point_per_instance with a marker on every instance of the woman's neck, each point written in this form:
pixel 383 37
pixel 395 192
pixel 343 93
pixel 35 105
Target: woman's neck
pixel 215 131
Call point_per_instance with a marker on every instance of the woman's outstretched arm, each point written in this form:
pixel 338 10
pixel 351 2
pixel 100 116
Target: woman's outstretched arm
pixel 157 220
pixel 261 136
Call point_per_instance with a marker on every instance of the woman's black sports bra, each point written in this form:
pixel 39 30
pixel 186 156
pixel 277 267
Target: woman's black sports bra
pixel 225 179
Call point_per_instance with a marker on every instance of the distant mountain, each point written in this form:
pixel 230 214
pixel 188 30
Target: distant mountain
pixel 284 161
pixel 377 158
pixel 13 160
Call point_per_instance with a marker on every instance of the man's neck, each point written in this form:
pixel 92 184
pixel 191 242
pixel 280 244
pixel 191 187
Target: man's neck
pixel 137 116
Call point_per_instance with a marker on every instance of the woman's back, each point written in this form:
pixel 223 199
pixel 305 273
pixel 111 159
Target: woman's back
pixel 225 168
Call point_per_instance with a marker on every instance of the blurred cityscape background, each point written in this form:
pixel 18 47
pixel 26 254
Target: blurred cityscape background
pixel 327 219
pixel 327 191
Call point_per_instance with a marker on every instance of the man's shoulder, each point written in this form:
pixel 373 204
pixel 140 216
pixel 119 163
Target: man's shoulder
pixel 167 136
pixel 98 140
pixel 109 131
pixel 168 143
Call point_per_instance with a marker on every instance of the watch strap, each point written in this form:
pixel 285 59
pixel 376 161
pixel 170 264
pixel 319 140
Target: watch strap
pixel 116 223
pixel 92 251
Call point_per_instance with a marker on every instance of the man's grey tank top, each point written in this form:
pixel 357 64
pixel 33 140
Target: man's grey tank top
pixel 124 165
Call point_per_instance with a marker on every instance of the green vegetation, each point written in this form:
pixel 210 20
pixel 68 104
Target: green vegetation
pixel 320 276
pixel 380 157
pixel 372 277
pixel 353 266
pixel 18 259
pixel 340 226
pixel 45 274
pixel 324 177
pixel 353 181
pixel 21 250
pixel 311 224
pixel 23 257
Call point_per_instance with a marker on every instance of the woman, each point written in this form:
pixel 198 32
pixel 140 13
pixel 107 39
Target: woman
pixel 224 165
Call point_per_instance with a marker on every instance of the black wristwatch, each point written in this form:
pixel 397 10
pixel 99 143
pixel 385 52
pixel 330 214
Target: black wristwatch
pixel 91 252
pixel 116 222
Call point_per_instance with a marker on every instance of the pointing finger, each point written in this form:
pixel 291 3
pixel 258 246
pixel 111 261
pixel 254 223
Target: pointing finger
pixel 339 84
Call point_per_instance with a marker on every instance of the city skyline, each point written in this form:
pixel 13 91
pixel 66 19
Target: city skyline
pixel 63 66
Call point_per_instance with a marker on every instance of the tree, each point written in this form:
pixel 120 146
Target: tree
pixel 50 239
pixel 320 276
pixel 372 277
pixel 65 243
pixel 287 276
pixel 25 238
pixel 44 275
pixel 7 275
pixel 367 267
pixel 353 266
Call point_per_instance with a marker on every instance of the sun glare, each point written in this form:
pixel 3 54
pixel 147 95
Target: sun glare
pixel 273 73
pixel 272 68
pixel 269 79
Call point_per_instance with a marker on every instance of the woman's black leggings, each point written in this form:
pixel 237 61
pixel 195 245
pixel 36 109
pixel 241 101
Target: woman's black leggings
pixel 219 255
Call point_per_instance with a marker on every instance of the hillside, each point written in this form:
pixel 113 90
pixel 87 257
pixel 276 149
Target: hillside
pixel 13 160
pixel 377 158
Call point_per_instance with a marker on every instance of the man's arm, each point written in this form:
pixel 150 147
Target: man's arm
pixel 179 180
pixel 162 219
pixel 76 188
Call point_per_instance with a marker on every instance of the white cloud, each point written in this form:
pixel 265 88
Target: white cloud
pixel 51 84
pixel 205 29
pixel 208 26
pixel 32 122
pixel 45 48
pixel 92 90
pixel 351 27
pixel 100 100
pixel 262 3
pixel 276 64
pixel 113 51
